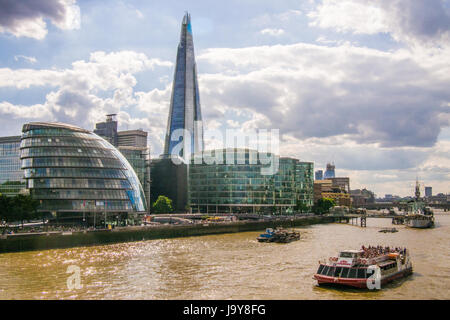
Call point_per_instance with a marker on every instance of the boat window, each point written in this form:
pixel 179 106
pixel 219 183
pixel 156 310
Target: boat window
pixel 361 273
pixel 345 272
pixel 320 269
pixel 352 273
pixel 330 272
pixel 346 255
pixel 337 271
pixel 325 270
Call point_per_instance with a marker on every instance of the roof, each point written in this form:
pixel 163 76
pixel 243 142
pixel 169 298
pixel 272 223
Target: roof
pixel 59 125
pixel 10 139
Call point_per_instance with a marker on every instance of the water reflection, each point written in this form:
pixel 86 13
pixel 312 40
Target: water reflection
pixel 230 266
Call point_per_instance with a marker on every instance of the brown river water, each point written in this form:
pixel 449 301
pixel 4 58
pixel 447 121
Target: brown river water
pixel 228 266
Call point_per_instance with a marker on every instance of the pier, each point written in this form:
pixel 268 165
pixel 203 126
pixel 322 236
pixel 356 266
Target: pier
pixel 352 219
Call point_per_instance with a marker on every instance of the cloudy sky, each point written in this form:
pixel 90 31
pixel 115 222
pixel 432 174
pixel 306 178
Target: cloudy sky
pixel 363 83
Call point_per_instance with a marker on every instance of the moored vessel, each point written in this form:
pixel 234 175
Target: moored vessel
pixel 418 216
pixel 370 267
pixel 419 221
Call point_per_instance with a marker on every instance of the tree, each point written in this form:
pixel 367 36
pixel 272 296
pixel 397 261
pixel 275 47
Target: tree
pixel 162 205
pixel 5 208
pixel 18 208
pixel 301 207
pixel 323 205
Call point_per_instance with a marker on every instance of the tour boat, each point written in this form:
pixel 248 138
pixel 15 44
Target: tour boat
pixel 366 268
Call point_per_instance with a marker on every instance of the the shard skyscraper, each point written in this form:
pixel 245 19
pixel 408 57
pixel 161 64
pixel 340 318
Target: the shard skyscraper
pixel 169 177
pixel 185 110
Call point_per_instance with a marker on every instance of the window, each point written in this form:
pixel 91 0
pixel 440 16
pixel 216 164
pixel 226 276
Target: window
pixel 352 273
pixel 325 270
pixel 320 269
pixel 338 271
pixel 361 273
pixel 330 272
pixel 345 272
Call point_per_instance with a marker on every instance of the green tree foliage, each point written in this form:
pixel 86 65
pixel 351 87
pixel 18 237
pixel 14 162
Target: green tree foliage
pixel 162 205
pixel 18 208
pixel 301 207
pixel 323 205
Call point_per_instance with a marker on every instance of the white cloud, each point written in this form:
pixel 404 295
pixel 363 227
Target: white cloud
pixel 350 15
pixel 374 113
pixel 139 14
pixel 25 58
pixel 414 22
pixel 84 93
pixel 272 32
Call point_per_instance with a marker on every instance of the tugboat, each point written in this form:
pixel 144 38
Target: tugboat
pixel 279 235
pixel 366 268
pixel 418 215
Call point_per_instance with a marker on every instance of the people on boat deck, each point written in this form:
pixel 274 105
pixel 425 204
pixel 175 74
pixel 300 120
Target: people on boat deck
pixel 372 251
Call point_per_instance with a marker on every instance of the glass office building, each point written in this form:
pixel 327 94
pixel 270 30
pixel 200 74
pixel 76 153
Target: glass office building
pixel 185 112
pixel 12 181
pixel 329 173
pixel 239 186
pixel 72 171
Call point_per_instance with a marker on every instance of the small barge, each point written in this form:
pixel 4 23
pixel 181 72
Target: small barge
pixel 368 268
pixel 278 235
pixel 388 230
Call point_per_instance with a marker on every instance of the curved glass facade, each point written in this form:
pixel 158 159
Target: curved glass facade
pixel 73 170
pixel 240 186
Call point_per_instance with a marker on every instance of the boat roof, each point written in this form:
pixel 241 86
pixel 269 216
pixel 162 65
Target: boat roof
pixel 352 251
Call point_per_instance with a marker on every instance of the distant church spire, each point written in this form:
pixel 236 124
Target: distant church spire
pixel 185 111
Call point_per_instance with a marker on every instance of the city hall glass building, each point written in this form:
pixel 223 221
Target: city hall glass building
pixel 74 172
pixel 239 186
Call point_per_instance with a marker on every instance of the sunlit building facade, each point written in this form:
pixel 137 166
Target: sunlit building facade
pixel 12 181
pixel 185 111
pixel 241 187
pixel 72 171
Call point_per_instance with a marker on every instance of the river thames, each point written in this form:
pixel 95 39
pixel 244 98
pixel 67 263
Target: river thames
pixel 228 266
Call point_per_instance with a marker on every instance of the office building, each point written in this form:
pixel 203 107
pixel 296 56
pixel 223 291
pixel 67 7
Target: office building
pixel 185 111
pixel 428 192
pixel 108 129
pixel 329 173
pixel 319 175
pixel 75 173
pixel 12 181
pixel 132 138
pixel 240 187
pixel 336 188
pixel 343 183
pixel 170 179
pixel 361 197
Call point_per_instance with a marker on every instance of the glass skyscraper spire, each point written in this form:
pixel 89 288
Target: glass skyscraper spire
pixel 185 110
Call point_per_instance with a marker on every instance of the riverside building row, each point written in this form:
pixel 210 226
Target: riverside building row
pixel 75 173
pixel 108 173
